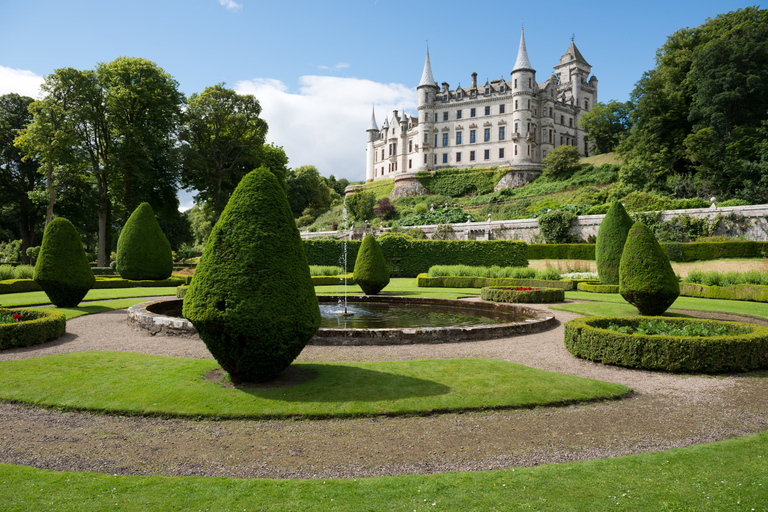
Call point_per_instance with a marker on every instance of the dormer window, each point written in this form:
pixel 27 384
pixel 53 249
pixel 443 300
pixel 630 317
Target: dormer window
pixel 458 95
pixel 445 97
pixel 487 90
pixel 501 89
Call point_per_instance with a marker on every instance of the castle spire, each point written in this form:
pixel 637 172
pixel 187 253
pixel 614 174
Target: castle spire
pixel 522 61
pixel 373 125
pixel 426 76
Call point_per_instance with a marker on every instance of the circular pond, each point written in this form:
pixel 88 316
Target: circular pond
pixel 381 320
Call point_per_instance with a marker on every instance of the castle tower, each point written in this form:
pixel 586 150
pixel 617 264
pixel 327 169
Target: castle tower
pixel 524 89
pixel 426 91
pixel 372 132
pixel 572 72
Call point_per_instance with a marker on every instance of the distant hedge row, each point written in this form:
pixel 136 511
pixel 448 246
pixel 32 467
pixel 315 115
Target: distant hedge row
pixel 510 295
pixel 424 281
pixel 746 349
pixel 753 292
pixel 596 287
pixel 409 258
pixel 29 285
pixel 676 251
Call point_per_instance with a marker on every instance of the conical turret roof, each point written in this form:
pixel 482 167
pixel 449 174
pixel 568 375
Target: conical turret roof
pixel 373 125
pixel 426 75
pixel 522 61
pixel 571 54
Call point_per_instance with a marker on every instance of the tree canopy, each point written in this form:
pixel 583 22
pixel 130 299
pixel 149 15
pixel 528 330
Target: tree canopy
pixel 606 125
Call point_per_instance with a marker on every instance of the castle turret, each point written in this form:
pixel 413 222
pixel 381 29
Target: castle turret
pixel 372 132
pixel 426 90
pixel 524 89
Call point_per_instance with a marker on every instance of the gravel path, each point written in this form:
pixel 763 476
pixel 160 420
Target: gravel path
pixel 665 411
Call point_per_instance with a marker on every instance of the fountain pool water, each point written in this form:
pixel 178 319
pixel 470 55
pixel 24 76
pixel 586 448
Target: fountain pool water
pixel 491 320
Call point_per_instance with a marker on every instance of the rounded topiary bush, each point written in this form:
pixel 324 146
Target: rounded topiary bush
pixel 743 348
pixel 143 251
pixel 611 237
pixel 646 278
pixel 522 294
pixel 34 327
pixel 252 301
pixel 371 271
pixel 62 269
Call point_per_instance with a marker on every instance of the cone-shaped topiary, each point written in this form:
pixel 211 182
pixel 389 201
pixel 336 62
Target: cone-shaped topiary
pixel 252 300
pixel 611 237
pixel 646 278
pixel 371 271
pixel 62 269
pixel 143 251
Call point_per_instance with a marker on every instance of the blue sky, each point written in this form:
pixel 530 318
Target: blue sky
pixel 318 67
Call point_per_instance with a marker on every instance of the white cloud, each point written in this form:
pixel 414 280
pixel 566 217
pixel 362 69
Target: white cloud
pixel 231 5
pixel 340 65
pixel 324 123
pixel 20 81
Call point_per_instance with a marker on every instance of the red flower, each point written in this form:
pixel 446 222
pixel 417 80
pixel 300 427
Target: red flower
pixel 17 317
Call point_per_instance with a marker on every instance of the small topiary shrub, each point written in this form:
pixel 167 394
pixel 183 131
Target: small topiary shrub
pixel 62 269
pixel 522 294
pixel 371 271
pixel 611 237
pixel 143 251
pixel 252 301
pixel 555 226
pixel 646 278
pixel 33 327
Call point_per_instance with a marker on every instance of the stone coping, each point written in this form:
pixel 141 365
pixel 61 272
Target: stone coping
pixel 141 316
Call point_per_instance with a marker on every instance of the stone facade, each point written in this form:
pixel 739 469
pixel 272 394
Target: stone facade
pixel 511 122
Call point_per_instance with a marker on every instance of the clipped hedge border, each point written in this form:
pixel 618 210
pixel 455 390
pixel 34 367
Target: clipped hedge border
pixel 676 251
pixel 102 282
pixel 332 280
pixel 747 350
pixel 36 327
pixel 596 287
pixel 181 291
pixel 424 281
pixel 537 295
pixel 561 252
pixel 753 292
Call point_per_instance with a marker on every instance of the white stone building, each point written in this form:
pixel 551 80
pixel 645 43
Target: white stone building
pixel 512 123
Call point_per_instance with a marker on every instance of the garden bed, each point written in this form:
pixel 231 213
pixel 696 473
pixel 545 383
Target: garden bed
pixel 33 328
pixel 745 349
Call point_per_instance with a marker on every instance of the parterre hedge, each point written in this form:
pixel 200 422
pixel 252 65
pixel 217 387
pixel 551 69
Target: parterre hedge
pixel 409 258
pixel 518 294
pixel 596 287
pixel 424 281
pixel 36 327
pixel 753 292
pixel 561 251
pixel 745 350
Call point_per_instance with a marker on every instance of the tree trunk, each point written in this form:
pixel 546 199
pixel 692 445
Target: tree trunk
pixel 51 194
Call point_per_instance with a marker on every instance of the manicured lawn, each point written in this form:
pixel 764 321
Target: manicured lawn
pixel 130 383
pixel 729 475
pixel 9 300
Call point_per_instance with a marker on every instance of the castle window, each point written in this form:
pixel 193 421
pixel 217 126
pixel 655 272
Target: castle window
pixel 487 90
pixel 435 116
pixel 458 95
pixel 435 159
pixel 502 133
pixel 445 139
pixel 501 88
pixel 551 136
pixel 501 152
pixel 382 154
pixel 487 154
pixel 458 157
pixel 502 108
pixel 544 111
pixel 516 130
pixel 529 104
pixel 488 110
pixel 529 128
pixel 515 149
pixel 471 156
pixel 445 97
pixel 516 105
pixel 472 112
pixel 435 140
pixel 570 122
pixel 471 136
pixel 544 153
pixel 409 163
pixel 445 158
pixel 458 138
pixel 586 104
pixel 410 146
pixel 425 158
pixel 515 83
pixel 394 149
pixel 487 135
pixel 529 82
pixel 458 114
pixel 562 121
pixel 445 116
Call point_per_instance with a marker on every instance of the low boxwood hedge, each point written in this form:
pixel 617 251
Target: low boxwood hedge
pixel 561 252
pixel 745 350
pixel 753 292
pixel 19 285
pixel 676 251
pixel 596 287
pixel 181 291
pixel 36 327
pixel 332 280
pixel 522 294
pixel 424 281
pixel 28 285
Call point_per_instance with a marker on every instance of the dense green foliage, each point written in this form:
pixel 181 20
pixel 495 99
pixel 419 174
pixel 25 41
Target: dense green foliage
pixel 308 192
pixel 460 182
pixel 659 327
pixel 407 257
pixel 596 287
pixel 606 125
pixel 611 237
pixel 744 349
pixel 424 281
pixel 36 327
pixel 360 205
pixel 371 272
pixel 562 162
pixel 646 278
pixel 715 278
pixel 442 215
pixel 555 226
pixel 698 251
pixel 495 271
pixel 698 114
pixel 252 301
pixel 62 270
pixel 16 271
pixel 143 251
pixel 751 292
pixel 561 251
pixel 522 294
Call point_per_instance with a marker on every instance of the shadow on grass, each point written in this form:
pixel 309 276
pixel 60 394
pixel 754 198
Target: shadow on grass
pixel 339 383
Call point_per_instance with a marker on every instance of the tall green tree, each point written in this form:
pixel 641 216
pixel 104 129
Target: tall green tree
pixel 606 125
pixel 307 189
pixel 222 139
pixel 18 177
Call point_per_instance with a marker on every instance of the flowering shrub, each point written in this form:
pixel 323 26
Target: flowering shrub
pixel 10 319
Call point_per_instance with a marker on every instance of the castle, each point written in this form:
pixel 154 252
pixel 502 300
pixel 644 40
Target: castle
pixel 512 123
